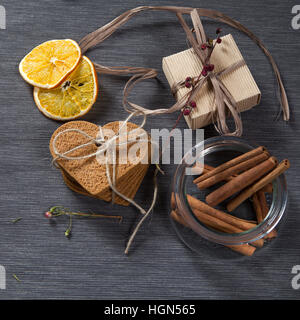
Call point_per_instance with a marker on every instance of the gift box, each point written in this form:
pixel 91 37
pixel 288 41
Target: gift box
pixel 239 82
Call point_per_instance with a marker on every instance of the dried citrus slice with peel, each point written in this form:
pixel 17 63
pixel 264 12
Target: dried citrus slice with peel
pixel 48 64
pixel 73 98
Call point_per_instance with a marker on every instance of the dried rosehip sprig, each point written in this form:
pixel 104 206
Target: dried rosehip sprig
pixel 186 111
pixel 206 45
pixel 59 211
pixel 48 214
pixel 210 43
pixel 218 32
pixel 207 68
pixel 193 104
pixel 189 107
pixel 210 67
pixel 188 82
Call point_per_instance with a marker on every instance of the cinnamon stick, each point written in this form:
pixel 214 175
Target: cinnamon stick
pixel 261 208
pixel 200 205
pixel 240 182
pixel 231 163
pixel 215 223
pixel 240 167
pixel 208 168
pixel 217 219
pixel 221 225
pixel 263 204
pixel 257 208
pixel 228 218
pixel 177 217
pixel 247 193
pixel 173 203
pixel 266 189
pixel 244 249
pixel 271 235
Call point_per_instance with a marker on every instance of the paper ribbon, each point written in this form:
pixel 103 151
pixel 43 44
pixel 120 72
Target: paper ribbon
pixel 223 97
pixel 139 74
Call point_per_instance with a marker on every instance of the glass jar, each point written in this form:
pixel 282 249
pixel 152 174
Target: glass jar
pixel 203 239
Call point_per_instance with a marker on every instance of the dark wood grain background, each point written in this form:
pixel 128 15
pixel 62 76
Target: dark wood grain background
pixel 92 264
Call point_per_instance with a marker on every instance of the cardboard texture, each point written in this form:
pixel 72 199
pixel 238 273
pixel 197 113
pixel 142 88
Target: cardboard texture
pixel 239 82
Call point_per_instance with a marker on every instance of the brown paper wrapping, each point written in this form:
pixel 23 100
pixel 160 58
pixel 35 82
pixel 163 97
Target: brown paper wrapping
pixel 239 82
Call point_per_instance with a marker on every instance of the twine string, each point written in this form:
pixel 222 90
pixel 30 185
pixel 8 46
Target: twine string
pixel 106 147
pixel 139 74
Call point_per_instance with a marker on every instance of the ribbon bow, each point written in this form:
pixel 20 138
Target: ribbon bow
pixel 223 97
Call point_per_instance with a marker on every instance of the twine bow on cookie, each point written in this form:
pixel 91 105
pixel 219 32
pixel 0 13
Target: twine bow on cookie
pixel 107 148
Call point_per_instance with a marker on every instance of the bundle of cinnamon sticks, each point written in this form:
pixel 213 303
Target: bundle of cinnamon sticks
pixel 247 176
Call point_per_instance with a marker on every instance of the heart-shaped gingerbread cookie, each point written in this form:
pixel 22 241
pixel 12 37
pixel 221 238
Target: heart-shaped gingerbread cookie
pixel 88 176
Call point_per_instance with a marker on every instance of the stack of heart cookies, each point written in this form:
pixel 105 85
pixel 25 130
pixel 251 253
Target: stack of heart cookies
pixel 88 176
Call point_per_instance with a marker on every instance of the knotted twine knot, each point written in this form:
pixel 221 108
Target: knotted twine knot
pixel 203 48
pixel 106 147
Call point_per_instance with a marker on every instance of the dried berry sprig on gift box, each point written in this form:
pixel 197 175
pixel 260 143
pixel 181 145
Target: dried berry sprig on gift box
pixel 190 83
pixel 57 211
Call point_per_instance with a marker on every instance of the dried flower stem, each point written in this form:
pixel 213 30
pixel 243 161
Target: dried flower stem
pixel 57 211
pixel 68 231
pixel 15 276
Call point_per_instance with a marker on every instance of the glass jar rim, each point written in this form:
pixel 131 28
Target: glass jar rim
pixel 276 210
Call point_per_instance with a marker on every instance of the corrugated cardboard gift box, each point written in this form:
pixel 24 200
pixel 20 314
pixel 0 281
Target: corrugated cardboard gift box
pixel 239 82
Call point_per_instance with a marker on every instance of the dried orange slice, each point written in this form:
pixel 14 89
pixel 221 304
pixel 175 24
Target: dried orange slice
pixel 48 64
pixel 73 98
